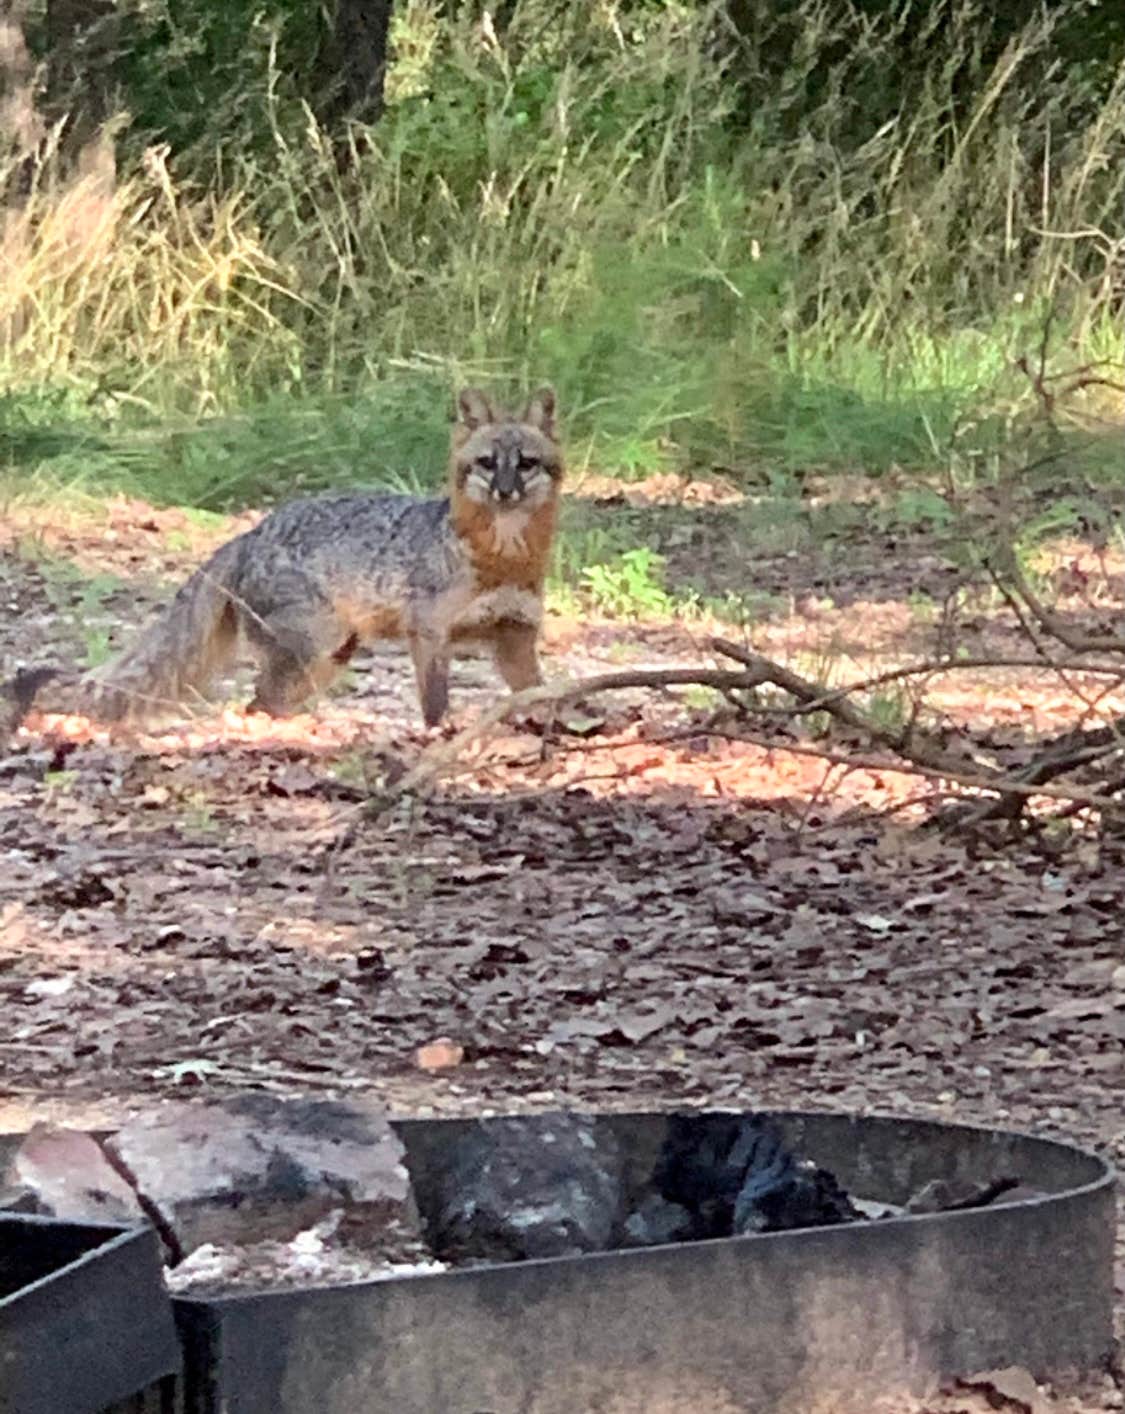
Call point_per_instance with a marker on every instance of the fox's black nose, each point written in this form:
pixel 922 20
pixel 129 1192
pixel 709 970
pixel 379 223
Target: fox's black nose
pixel 506 493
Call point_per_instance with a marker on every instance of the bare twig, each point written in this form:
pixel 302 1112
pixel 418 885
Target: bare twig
pixel 910 743
pixel 997 784
pixel 936 667
pixel 1054 624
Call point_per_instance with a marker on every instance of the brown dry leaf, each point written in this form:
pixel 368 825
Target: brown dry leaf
pixel 582 724
pixel 442 1054
pixel 13 925
pixel 294 779
pixel 1011 1388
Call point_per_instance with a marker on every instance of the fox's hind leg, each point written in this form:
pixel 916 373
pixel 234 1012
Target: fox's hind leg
pixel 286 682
pixel 303 645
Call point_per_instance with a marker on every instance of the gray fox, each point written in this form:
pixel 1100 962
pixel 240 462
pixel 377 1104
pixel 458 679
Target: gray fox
pixel 318 577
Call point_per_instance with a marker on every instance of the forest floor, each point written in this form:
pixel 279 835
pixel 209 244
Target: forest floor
pixel 639 913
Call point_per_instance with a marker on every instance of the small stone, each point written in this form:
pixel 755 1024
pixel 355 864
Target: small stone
pixel 71 1178
pixel 656 1221
pixel 1014 1386
pixel 257 1167
pixel 874 1210
pixel 49 987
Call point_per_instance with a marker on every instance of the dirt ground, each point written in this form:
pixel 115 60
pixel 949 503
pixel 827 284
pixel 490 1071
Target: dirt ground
pixel 641 914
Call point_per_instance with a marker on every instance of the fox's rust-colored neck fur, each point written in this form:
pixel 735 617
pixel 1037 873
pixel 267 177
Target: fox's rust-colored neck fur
pixel 500 556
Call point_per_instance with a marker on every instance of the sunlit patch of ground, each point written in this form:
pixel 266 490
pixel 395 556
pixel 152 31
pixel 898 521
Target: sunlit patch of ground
pixel 648 744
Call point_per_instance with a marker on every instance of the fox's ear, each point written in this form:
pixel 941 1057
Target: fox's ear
pixel 474 409
pixel 540 411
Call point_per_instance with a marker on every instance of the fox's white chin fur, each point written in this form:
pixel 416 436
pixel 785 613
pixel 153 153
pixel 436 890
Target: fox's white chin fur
pixel 508 530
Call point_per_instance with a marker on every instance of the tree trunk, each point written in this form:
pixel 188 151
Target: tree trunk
pixel 80 53
pixel 21 126
pixel 353 62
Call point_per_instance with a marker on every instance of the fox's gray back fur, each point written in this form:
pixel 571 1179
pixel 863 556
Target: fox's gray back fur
pixel 282 586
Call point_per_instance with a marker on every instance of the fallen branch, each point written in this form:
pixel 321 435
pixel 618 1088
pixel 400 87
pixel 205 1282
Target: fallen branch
pixel 913 746
pixel 911 751
pixel 993 784
pixel 910 743
pixel 1054 624
pixel 1064 754
pixel 436 757
pixel 936 667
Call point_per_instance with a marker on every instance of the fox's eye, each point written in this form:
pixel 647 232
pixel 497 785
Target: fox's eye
pixel 487 463
pixel 525 463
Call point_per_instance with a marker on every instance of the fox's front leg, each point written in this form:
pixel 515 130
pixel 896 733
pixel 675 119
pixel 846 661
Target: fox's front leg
pixel 430 653
pixel 514 652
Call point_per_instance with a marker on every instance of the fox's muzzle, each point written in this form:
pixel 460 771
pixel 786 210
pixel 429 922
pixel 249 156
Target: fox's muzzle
pixel 507 483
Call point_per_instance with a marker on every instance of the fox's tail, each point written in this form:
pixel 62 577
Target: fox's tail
pixel 177 656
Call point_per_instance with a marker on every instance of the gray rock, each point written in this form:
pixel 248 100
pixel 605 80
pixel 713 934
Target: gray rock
pixel 257 1167
pixel 522 1188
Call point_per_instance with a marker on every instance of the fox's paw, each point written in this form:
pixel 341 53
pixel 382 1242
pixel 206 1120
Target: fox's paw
pixel 22 688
